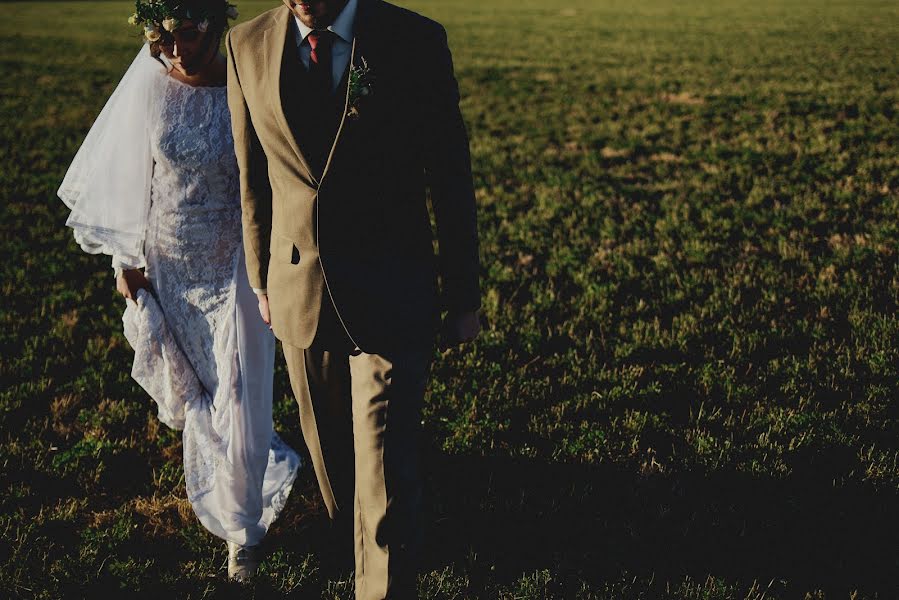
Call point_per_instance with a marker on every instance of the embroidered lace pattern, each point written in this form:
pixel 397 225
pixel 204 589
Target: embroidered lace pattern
pixel 186 337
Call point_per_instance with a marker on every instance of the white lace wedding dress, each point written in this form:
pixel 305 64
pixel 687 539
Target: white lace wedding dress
pixel 201 349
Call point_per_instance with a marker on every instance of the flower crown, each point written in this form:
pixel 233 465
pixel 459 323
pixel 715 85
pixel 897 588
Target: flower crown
pixel 158 15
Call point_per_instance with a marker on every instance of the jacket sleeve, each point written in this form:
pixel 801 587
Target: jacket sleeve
pixel 255 189
pixel 448 171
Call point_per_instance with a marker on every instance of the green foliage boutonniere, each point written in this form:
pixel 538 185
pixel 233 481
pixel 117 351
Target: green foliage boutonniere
pixel 360 87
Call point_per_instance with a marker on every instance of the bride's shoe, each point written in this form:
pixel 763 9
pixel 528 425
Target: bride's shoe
pixel 242 561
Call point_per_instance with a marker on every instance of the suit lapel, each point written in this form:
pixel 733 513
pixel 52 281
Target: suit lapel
pixel 340 91
pixel 285 74
pixel 362 28
pixel 282 76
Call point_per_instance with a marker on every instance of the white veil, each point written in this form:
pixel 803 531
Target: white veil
pixel 107 186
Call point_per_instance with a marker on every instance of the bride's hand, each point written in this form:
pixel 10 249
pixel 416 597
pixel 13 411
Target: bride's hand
pixel 263 309
pixel 129 281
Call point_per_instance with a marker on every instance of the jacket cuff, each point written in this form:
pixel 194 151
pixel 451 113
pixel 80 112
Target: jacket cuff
pixel 461 298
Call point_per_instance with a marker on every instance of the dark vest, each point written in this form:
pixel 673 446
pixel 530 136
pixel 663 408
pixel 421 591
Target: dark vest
pixel 313 120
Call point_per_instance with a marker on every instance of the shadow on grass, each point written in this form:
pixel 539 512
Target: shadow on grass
pixel 502 518
pixel 496 520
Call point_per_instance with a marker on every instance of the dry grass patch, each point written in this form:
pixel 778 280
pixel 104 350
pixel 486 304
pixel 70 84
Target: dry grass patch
pixel 63 410
pixel 685 98
pixel 165 515
pixel 665 157
pixel 609 152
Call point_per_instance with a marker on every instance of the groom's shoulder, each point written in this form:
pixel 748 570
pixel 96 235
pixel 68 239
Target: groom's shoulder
pixel 407 21
pixel 256 25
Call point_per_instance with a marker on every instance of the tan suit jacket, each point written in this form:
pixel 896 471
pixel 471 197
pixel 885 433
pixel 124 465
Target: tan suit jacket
pixel 335 207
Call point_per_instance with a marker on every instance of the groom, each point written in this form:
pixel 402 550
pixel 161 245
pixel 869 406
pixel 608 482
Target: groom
pixel 345 118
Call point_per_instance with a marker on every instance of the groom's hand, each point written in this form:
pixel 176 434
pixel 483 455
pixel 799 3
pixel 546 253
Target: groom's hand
pixel 459 328
pixel 129 281
pixel 263 309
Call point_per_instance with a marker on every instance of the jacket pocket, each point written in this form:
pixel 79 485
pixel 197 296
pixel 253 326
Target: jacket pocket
pixel 284 250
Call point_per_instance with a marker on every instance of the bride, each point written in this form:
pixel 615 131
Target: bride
pixel 155 185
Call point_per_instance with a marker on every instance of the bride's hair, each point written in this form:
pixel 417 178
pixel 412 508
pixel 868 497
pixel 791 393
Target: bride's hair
pixel 159 18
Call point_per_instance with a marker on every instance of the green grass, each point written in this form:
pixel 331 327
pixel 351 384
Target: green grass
pixel 688 383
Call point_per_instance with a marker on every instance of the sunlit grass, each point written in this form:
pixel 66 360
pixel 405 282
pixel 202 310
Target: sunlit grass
pixel 687 385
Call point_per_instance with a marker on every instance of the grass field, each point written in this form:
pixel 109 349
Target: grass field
pixel 688 386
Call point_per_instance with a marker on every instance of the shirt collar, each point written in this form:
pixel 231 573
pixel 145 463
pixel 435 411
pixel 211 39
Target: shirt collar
pixel 342 25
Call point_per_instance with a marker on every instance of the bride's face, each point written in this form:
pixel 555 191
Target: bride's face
pixel 188 48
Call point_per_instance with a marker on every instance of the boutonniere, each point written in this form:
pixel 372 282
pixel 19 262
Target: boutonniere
pixel 360 87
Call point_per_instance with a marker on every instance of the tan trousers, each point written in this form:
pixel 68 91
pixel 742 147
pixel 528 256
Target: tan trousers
pixel 361 416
